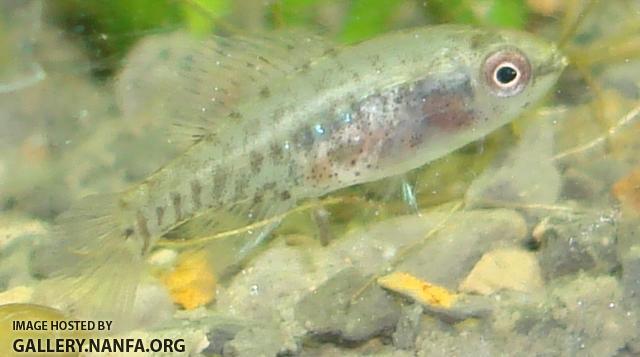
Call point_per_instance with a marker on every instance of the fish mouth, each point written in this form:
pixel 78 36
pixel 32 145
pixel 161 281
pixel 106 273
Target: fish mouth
pixel 555 64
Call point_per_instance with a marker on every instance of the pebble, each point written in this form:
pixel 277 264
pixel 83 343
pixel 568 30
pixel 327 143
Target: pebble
pixel 16 295
pixel 33 313
pixel 257 341
pixel 570 243
pixel 631 275
pixel 506 268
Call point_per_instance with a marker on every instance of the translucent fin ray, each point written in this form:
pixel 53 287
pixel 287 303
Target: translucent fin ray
pixel 95 270
pixel 231 234
pixel 206 79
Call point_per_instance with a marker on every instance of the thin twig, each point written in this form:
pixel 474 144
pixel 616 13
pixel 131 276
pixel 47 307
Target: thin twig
pixel 258 224
pixel 631 117
pixel 411 248
pixel 538 206
pixel 571 24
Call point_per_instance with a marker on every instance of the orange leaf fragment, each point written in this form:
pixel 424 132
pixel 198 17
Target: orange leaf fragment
pixel 192 283
pixel 627 190
pixel 419 290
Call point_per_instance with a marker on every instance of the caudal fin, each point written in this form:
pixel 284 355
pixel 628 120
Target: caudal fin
pixel 95 269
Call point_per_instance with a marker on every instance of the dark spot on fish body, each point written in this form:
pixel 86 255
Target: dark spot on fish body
pixel 257 197
pixel 339 64
pixel 265 92
pixel 159 215
pixel 253 130
pixel 269 186
pixel 196 191
pixel 331 52
pixel 375 60
pixel 240 186
pixel 219 183
pixel 193 91
pixel 187 63
pixel 275 151
pixel 128 232
pixel 176 201
pixel 202 71
pixel 143 230
pixel 255 160
pixel 226 148
pixel 235 115
pixel 304 138
pixel 415 139
pixel 285 195
pixel 323 83
pixel 164 54
pixel 278 114
pixel 346 152
pixel 305 67
pixel 294 173
pixel 123 204
pixel 320 171
pixel 264 60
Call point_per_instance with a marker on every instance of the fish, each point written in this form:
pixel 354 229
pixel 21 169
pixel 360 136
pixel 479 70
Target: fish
pixel 277 119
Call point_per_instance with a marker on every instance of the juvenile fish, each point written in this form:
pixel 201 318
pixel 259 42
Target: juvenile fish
pixel 307 118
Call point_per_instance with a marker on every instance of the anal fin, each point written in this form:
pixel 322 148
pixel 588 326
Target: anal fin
pixel 230 235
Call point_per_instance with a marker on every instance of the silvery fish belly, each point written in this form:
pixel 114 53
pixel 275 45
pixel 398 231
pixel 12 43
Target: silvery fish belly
pixel 281 119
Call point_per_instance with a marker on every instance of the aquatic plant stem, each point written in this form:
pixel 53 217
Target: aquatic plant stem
pixel 259 224
pixel 573 19
pixel 407 251
pixel 630 118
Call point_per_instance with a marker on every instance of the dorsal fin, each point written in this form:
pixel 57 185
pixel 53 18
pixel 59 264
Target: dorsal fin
pixel 208 77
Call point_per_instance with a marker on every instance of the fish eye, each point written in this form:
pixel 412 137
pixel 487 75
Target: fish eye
pixel 506 72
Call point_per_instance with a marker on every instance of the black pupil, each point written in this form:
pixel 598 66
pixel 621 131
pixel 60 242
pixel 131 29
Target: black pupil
pixel 506 74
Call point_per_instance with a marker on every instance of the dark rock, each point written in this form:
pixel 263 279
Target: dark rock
pixel 572 243
pixel 258 341
pixel 218 336
pixel 332 313
pixel 408 327
pixel 465 307
pixel 631 276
